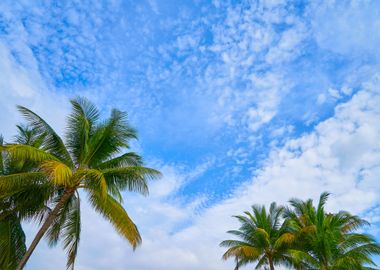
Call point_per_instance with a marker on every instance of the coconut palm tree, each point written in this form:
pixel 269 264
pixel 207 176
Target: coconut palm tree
pixel 12 237
pixel 263 238
pixel 21 205
pixel 89 160
pixel 329 241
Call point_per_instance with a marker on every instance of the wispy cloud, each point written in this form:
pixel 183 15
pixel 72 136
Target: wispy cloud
pixel 340 155
pixel 240 103
pixel 21 84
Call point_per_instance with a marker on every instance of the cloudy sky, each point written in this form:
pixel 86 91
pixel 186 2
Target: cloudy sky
pixel 236 102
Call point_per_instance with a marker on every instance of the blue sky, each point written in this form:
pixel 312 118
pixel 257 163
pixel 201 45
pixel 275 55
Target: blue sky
pixel 237 102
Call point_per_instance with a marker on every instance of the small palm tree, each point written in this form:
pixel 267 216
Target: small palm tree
pixel 328 241
pixel 263 238
pixel 21 205
pixel 89 160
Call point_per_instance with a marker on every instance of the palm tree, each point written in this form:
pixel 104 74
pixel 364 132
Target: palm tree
pixel 12 237
pixel 329 241
pixel 263 238
pixel 21 205
pixel 89 160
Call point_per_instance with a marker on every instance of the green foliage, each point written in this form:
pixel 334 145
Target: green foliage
pixel 92 159
pixel 22 196
pixel 52 143
pixel 263 238
pixel 114 212
pixel 71 232
pixel 302 237
pixel 12 242
pixel 329 240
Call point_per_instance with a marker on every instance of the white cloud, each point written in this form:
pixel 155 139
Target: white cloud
pixel 255 47
pixel 154 6
pixel 332 158
pixel 334 93
pixel 321 99
pixel 353 32
pixel 288 46
pixel 342 155
pixel 21 84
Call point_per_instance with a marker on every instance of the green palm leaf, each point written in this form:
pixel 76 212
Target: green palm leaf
pixel 127 159
pixel 14 182
pixel 116 214
pixel 133 178
pixel 80 126
pixel 12 242
pixel 52 142
pixel 26 152
pixel 109 138
pixel 71 232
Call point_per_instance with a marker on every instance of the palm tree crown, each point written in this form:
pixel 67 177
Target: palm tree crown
pixel 91 160
pixel 263 238
pixel 328 241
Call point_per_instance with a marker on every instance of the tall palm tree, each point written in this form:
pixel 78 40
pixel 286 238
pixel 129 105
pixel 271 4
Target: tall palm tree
pixel 263 238
pixel 90 160
pixel 21 205
pixel 329 241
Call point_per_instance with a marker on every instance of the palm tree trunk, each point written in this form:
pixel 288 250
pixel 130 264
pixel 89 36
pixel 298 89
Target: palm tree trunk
pixel 53 214
pixel 271 265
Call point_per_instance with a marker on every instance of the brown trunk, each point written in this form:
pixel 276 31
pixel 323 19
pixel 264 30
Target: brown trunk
pixel 271 265
pixel 53 214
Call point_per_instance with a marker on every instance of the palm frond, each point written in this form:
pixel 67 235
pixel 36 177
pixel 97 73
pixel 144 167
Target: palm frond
pixel 28 202
pixel 71 232
pixel 55 231
pixel 118 217
pixel 109 138
pixel 128 159
pixel 285 239
pixel 27 152
pixel 94 179
pixel 302 257
pixel 13 182
pixel 262 262
pixel 52 142
pixel 58 173
pixel 80 127
pixel 323 199
pixel 29 136
pixel 12 242
pixel 247 252
pixel 132 178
